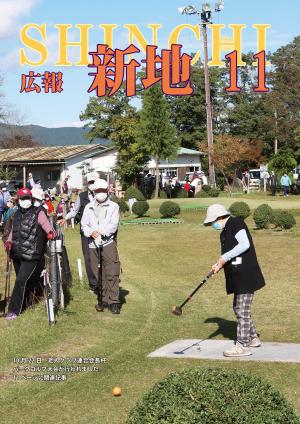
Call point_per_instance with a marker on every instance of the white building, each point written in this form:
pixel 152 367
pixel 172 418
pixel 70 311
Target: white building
pixel 52 165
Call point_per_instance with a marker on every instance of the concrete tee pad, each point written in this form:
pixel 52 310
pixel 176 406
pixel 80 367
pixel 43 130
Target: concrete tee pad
pixel 213 349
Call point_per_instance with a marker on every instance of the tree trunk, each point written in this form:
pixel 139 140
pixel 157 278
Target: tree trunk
pixel 157 178
pixel 227 183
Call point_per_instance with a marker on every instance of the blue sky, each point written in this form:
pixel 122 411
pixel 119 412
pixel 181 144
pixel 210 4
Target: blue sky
pixel 54 110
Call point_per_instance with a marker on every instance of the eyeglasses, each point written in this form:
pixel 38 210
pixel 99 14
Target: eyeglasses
pixel 91 182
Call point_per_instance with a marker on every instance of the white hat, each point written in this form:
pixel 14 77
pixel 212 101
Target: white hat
pixel 214 212
pixel 99 183
pixel 92 176
pixel 38 193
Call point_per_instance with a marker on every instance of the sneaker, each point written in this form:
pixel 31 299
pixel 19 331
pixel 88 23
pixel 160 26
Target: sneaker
pixel 238 350
pixel 255 342
pixel 10 316
pixel 115 308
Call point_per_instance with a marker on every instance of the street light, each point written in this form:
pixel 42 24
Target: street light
pixel 206 14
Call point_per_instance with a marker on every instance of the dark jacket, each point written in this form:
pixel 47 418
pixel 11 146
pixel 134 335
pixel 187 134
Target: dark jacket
pixel 84 200
pixel 247 276
pixel 28 238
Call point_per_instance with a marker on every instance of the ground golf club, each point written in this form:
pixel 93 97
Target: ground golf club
pixel 177 310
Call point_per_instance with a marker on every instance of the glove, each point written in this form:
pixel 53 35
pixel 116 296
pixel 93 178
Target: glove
pixel 51 236
pixel 8 246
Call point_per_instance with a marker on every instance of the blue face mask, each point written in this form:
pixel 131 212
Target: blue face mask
pixel 217 225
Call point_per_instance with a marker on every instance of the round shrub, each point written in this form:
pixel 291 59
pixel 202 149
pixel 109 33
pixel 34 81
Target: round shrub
pixel 140 208
pixel 214 192
pixel 240 209
pixel 202 194
pixel 133 193
pixel 122 204
pixel 206 188
pixel 169 209
pixel 284 220
pixel 263 216
pixel 208 395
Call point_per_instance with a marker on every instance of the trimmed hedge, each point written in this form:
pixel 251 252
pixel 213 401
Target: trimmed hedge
pixel 207 191
pixel 284 220
pixel 263 216
pixel 240 209
pixel 122 204
pixel 140 208
pixel 169 209
pixel 133 193
pixel 212 396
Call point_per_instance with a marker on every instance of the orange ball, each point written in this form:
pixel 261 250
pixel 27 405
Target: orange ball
pixel 117 391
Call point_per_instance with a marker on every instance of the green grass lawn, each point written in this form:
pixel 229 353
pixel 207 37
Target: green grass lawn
pixel 160 264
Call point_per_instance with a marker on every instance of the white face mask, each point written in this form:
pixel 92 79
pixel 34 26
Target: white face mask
pixel 101 197
pixel 37 203
pixel 25 204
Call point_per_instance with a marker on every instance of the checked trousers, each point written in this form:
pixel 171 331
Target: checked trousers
pixel 245 327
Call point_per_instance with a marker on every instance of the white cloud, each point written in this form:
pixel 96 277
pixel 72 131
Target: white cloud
pixel 11 11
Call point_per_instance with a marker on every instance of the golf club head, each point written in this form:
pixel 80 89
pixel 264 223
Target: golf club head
pixel 99 308
pixel 176 310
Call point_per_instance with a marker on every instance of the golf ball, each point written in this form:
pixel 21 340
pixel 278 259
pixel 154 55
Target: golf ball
pixel 116 391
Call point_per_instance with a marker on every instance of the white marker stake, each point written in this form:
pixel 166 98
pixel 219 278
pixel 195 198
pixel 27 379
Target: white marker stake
pixel 80 270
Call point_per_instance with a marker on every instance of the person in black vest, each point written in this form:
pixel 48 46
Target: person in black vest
pixel 242 272
pixel 82 200
pixel 26 245
pixel 273 183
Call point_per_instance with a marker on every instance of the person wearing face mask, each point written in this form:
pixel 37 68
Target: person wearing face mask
pixel 285 184
pixel 38 197
pixel 26 245
pixel 81 202
pixel 242 273
pixel 99 224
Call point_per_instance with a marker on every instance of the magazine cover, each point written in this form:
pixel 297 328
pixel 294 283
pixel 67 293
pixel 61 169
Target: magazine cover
pixel 149 212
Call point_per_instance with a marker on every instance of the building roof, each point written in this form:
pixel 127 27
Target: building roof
pixel 28 155
pixel 185 151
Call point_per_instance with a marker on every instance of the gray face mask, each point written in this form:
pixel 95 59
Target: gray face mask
pixel 37 203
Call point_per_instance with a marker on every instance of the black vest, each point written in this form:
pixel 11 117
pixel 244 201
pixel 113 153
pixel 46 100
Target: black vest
pixel 247 276
pixel 28 238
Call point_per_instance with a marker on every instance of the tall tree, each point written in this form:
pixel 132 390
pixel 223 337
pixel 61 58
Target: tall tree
pixel 157 135
pixel 100 113
pixel 132 157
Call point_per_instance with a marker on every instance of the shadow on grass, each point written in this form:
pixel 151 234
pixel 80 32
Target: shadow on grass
pixel 226 328
pixel 122 296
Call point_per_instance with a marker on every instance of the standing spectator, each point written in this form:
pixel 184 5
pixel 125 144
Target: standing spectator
pixel 273 183
pixel 285 184
pixel 168 189
pixel 30 181
pixel 246 181
pixel 100 223
pixel 203 178
pixel 76 213
pixel 196 184
pixel 27 244
pixel 65 186
pixel 48 205
pixel 242 273
pixel 8 218
pixel 187 188
pixel 4 198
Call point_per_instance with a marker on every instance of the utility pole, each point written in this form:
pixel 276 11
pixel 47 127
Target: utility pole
pixel 276 132
pixel 209 125
pixel 205 14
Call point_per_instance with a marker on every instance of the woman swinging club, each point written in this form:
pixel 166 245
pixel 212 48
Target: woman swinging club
pixel 242 272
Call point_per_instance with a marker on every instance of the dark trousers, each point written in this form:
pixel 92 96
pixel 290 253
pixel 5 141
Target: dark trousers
pixel 110 272
pixel 285 190
pixel 93 281
pixel 28 273
pixel 273 190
